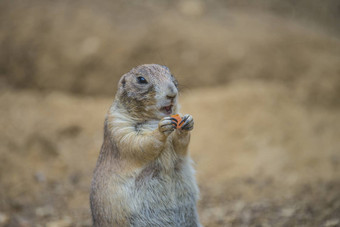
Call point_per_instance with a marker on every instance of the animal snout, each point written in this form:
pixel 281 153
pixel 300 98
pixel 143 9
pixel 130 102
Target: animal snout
pixel 171 96
pixel 171 93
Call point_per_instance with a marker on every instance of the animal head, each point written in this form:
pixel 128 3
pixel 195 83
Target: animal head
pixel 148 92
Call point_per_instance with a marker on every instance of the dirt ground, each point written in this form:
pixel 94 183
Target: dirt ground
pixel 262 159
pixel 263 89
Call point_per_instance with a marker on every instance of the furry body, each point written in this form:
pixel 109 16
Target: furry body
pixel 144 175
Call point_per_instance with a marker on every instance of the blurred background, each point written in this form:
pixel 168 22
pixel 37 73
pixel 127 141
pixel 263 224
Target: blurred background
pixel 261 78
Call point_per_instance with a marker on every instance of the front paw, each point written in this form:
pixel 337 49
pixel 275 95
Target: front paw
pixel 187 123
pixel 167 125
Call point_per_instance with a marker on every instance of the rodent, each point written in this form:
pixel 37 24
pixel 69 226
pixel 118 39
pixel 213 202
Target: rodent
pixel 144 174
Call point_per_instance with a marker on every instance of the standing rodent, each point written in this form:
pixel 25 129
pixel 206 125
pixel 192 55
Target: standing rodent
pixel 144 175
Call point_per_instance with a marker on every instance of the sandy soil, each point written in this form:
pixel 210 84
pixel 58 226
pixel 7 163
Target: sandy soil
pixel 261 157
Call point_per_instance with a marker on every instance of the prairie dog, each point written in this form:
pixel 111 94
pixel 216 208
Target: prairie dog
pixel 144 175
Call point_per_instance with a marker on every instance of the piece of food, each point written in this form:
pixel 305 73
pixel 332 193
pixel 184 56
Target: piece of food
pixel 179 120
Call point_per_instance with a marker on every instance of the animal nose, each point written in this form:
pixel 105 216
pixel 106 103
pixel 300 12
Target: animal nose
pixel 171 96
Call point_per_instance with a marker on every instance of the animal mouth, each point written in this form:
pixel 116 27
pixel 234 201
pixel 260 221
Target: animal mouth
pixel 167 109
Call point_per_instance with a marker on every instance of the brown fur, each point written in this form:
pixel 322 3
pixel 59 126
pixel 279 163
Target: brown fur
pixel 144 175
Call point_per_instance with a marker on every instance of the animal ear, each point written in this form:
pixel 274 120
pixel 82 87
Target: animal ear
pixel 163 66
pixel 123 82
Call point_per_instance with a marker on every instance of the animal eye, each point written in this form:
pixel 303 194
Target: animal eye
pixel 142 80
pixel 174 80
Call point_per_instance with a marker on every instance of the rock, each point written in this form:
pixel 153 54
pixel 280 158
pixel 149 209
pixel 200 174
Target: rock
pixel 287 212
pixel 44 211
pixel 40 177
pixel 64 222
pixel 21 222
pixel 3 219
pixel 192 8
pixel 239 206
pixel 332 222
